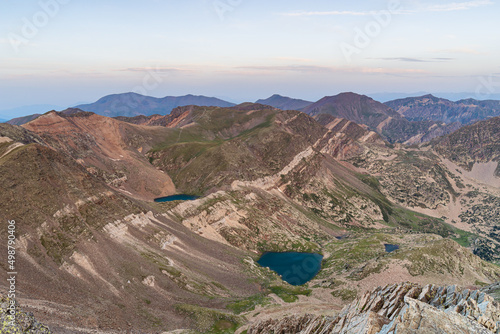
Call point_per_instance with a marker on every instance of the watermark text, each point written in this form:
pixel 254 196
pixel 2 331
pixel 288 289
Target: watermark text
pixel 12 273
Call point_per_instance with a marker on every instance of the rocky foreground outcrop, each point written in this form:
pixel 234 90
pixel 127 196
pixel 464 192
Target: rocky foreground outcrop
pixel 23 323
pixel 400 308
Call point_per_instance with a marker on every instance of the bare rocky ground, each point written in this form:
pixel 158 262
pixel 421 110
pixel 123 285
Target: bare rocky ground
pixel 399 308
pixel 98 255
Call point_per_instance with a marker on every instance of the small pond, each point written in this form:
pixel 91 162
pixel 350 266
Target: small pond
pixel 180 197
pixel 390 248
pixel 294 268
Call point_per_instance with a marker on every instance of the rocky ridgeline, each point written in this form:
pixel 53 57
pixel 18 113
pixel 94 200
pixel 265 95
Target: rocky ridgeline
pixel 400 308
pixel 25 322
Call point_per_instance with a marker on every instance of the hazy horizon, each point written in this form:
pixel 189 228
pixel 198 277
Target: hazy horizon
pixel 7 114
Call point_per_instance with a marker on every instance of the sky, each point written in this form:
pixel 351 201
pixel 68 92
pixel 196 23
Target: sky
pixel 65 52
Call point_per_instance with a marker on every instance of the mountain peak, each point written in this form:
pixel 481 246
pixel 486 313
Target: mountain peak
pixel 284 102
pixel 72 111
pixel 253 106
pixel 351 94
pixel 348 96
pixel 120 95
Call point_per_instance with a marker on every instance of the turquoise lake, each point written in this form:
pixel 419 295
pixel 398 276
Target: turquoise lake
pixel 294 268
pixel 180 197
pixel 391 248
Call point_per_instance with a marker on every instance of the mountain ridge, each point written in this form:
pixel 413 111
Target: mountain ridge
pixel 429 107
pixel 133 104
pixel 285 103
pixel 378 117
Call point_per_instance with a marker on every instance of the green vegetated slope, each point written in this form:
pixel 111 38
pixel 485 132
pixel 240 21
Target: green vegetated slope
pixel 223 145
pixel 358 256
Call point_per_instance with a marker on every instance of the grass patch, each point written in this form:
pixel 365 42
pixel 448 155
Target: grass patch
pixel 441 256
pixel 179 136
pixel 348 253
pixel 289 293
pixel 172 271
pixel 370 181
pixel 479 283
pixel 418 222
pixel 464 238
pixel 345 294
pixel 248 304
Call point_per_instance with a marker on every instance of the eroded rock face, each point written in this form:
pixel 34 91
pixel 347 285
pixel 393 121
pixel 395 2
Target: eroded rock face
pixel 400 308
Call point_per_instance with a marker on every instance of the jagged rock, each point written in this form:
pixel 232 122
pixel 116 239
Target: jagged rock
pixel 24 322
pixel 419 317
pixel 400 308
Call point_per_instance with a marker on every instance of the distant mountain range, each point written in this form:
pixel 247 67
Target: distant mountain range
pixel 285 103
pixel 412 120
pixel 23 120
pixel 384 97
pixel 379 117
pixel 133 104
pixel 7 114
pixel 429 107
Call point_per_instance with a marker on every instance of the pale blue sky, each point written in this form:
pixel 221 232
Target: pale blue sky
pixel 243 51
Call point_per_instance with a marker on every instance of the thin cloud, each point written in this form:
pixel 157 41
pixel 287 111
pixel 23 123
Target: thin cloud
pixel 330 13
pixel 415 60
pixel 392 71
pixel 450 7
pixel 293 68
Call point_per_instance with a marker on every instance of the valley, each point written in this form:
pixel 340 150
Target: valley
pixel 99 251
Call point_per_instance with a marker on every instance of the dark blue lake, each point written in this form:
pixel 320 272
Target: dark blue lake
pixel 180 197
pixel 294 268
pixel 390 248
